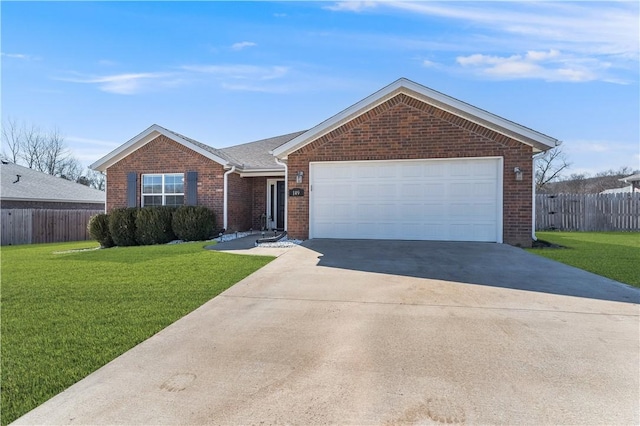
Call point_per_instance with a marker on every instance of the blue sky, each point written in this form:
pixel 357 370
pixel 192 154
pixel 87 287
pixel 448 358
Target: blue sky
pixel 232 72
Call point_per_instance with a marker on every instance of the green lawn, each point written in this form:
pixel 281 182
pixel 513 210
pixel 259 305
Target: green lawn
pixel 64 315
pixel 614 255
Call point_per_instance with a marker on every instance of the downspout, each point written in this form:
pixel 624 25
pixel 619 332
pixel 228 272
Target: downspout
pixel 286 192
pixel 226 197
pixel 105 192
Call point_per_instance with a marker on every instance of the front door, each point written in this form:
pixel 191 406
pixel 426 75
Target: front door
pixel 275 204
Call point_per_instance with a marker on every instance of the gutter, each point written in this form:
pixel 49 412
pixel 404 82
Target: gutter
pixel 226 197
pixel 286 192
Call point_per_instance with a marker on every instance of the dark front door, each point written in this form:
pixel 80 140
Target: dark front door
pixel 280 205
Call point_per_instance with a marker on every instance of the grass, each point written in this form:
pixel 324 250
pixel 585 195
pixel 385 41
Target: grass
pixel 614 255
pixel 64 315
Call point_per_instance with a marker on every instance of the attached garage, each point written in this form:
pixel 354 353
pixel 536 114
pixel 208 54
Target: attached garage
pixel 427 199
pixel 411 163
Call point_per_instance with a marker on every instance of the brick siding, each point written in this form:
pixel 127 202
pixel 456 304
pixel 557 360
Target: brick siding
pixel 259 201
pixel 163 155
pixel 240 201
pixel 405 128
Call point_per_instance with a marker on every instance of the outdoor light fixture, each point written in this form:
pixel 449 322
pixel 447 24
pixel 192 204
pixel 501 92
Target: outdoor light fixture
pixel 299 176
pixel 518 173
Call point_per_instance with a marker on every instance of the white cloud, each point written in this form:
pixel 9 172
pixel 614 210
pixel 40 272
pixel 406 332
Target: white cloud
pixel 22 56
pixel 88 141
pixel 601 38
pixel 126 84
pixel 228 76
pixel 242 45
pixel 595 156
pixel 351 6
pixel 240 72
pixel 603 28
pixel 429 64
pixel 551 65
pixel 541 56
pixel 107 63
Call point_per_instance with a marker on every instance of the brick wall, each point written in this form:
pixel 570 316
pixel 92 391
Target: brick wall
pixel 240 201
pixel 405 128
pixel 259 201
pixel 163 155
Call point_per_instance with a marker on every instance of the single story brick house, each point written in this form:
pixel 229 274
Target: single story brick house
pixel 407 162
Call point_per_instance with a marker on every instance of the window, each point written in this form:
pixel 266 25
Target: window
pixel 163 190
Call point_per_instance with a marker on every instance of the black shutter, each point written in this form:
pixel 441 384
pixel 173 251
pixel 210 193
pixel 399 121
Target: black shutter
pixel 192 188
pixel 132 189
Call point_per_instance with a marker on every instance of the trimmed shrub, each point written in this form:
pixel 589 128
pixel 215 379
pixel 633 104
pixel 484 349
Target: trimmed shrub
pixel 193 223
pixel 98 228
pixel 153 225
pixel 122 225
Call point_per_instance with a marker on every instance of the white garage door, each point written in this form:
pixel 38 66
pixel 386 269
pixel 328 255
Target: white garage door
pixel 447 200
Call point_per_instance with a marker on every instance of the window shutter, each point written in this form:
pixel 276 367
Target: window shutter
pixel 132 189
pixel 192 188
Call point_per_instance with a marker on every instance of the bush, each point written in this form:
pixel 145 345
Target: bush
pixel 153 225
pixel 193 223
pixel 122 225
pixel 98 228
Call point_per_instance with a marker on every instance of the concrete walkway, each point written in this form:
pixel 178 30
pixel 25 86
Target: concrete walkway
pixel 353 332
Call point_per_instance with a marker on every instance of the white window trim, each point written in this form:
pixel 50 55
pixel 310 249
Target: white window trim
pixel 163 194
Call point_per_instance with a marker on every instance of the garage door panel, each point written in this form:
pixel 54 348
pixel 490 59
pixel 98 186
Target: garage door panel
pixel 483 189
pixel 412 171
pixel 434 190
pixel 434 169
pixel 411 191
pixel 460 190
pixel 423 199
pixel 366 191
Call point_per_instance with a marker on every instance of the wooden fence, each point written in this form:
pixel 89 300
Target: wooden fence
pixel 28 226
pixel 588 212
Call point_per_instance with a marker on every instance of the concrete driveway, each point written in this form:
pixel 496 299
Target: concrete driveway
pixel 367 332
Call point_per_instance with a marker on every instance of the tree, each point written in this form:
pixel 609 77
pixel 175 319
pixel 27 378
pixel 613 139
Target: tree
pixel 93 179
pixel 11 137
pixel 47 152
pixel 550 166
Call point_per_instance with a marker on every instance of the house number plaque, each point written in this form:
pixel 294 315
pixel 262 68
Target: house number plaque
pixel 296 192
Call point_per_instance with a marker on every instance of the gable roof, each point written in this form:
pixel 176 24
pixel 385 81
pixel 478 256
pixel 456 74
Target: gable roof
pixel 37 186
pixel 247 157
pixel 537 140
pixel 147 136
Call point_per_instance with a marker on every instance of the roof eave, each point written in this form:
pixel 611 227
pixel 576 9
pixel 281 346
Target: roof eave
pixel 260 172
pixel 51 200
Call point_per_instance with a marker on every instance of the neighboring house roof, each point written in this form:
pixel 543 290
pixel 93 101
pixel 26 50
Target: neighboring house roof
pixel 37 186
pixel 632 178
pixel 256 155
pixel 538 141
pixel 625 190
pixel 147 136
